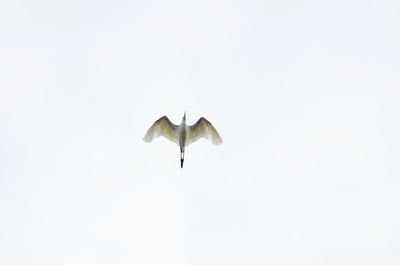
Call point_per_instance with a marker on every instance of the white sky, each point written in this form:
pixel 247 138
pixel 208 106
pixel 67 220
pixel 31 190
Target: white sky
pixel 305 95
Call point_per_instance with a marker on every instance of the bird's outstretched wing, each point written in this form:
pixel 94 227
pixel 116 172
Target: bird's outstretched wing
pixel 203 128
pixel 164 127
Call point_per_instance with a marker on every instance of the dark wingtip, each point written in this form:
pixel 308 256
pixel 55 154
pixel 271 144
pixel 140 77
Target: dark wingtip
pixel 181 163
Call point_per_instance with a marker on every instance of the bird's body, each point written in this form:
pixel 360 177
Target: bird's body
pixel 182 134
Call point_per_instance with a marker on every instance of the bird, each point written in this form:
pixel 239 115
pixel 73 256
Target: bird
pixel 183 134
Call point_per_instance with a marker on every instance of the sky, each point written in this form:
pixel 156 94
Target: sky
pixel 303 93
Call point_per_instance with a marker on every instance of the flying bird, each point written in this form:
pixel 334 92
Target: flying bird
pixel 182 134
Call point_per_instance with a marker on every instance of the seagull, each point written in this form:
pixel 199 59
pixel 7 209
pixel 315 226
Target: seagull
pixel 182 134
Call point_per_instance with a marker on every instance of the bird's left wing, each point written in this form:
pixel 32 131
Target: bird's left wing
pixel 203 128
pixel 164 127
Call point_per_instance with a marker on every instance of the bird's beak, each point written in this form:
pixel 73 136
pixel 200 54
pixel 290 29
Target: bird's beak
pixel 182 158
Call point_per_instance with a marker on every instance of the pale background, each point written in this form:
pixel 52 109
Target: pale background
pixel 305 95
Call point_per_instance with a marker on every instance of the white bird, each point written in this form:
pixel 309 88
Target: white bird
pixel 182 134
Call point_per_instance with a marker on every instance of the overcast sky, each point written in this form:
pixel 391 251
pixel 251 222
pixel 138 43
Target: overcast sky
pixel 305 95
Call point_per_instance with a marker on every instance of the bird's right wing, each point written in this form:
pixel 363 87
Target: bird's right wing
pixel 164 127
pixel 203 128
